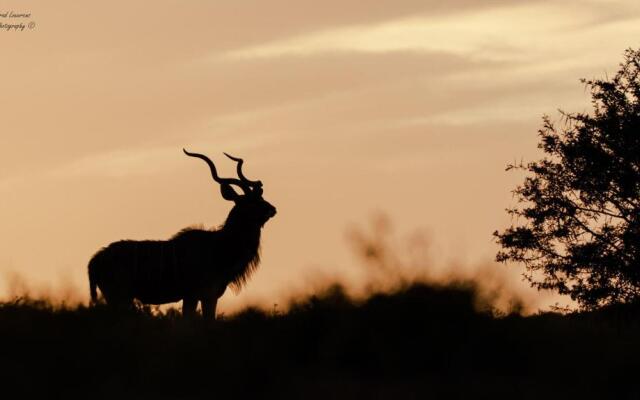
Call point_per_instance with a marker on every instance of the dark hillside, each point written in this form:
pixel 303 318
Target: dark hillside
pixel 420 342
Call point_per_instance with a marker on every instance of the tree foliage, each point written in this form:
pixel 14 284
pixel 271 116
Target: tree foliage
pixel 576 226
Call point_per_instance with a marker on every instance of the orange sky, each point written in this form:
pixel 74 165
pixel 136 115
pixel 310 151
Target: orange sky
pixel 342 108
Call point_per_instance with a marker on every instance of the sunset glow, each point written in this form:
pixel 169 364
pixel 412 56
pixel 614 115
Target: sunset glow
pixel 345 111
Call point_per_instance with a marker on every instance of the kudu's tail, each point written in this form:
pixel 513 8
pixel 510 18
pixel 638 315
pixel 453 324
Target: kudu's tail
pixel 93 285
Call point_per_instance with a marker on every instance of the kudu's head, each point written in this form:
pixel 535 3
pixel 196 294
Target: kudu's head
pixel 250 208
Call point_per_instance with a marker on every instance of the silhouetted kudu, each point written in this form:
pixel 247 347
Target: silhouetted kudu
pixel 195 264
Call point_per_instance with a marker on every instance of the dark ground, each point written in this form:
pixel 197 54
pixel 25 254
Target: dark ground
pixel 420 342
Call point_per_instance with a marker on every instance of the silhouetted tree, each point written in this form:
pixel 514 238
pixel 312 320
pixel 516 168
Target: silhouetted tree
pixel 577 224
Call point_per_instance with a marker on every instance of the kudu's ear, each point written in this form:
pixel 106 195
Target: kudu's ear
pixel 228 193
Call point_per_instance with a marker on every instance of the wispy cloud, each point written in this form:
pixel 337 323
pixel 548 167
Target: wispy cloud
pixel 516 32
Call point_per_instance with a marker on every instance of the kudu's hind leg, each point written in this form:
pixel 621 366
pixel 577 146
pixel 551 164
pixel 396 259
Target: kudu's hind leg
pixel 189 307
pixel 118 301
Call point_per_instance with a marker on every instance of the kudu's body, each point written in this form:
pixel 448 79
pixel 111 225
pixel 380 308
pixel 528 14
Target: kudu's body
pixel 194 265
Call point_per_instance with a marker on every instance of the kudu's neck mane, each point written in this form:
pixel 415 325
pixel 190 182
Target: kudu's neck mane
pixel 245 234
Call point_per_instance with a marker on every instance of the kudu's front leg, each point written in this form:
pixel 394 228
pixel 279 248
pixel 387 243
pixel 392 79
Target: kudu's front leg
pixel 209 308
